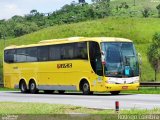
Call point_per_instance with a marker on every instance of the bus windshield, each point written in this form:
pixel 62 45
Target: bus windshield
pixel 121 59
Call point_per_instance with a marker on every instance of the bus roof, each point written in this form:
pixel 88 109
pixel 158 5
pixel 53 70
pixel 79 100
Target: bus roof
pixel 72 39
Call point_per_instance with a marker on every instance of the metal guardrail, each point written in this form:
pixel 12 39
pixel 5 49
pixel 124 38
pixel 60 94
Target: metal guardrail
pixel 150 84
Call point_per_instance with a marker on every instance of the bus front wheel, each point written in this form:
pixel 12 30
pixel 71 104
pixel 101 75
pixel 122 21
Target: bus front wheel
pixel 86 88
pixel 23 87
pixel 33 87
pixel 114 92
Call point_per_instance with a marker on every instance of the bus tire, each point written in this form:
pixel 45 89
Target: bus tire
pixel 114 92
pixel 23 86
pixel 33 87
pixel 48 91
pixel 86 88
pixel 61 91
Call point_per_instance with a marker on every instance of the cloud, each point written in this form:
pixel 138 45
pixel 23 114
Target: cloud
pixel 13 8
pixel 9 10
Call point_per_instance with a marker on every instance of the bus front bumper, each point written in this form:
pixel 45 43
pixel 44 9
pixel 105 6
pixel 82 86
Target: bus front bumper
pixel 121 87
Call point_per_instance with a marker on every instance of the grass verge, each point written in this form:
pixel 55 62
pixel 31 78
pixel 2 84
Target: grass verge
pixel 145 90
pixel 8 89
pixel 44 108
pixel 41 111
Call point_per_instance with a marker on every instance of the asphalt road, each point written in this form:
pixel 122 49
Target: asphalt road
pixel 100 101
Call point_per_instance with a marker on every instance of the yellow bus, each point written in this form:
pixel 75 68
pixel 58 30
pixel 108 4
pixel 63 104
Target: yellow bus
pixel 95 64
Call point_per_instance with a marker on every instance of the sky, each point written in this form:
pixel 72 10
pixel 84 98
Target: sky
pixel 9 8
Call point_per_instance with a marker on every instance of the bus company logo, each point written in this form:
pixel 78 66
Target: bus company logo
pixel 67 65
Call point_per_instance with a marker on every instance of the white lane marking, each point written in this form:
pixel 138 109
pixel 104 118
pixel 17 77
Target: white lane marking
pixel 147 104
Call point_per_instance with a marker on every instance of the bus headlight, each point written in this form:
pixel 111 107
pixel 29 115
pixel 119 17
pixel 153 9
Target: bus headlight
pixel 136 81
pixel 110 82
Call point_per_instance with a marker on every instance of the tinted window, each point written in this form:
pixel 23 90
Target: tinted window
pixel 81 50
pixel 43 53
pixel 21 55
pixel 95 58
pixel 31 54
pixel 120 56
pixel 68 51
pixel 113 53
pixel 55 52
pixel 9 56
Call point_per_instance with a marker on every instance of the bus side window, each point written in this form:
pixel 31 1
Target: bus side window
pixel 81 50
pixel 43 53
pixel 31 54
pixel 21 55
pixel 9 56
pixel 69 51
pixel 95 58
pixel 55 52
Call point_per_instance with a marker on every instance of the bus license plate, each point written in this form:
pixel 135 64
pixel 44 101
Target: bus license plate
pixel 124 87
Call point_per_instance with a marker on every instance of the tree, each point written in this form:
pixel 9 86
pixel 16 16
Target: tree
pixel 3 29
pixel 96 1
pixel 33 12
pixel 146 12
pixel 81 1
pixel 101 8
pixel 73 3
pixel 154 54
pixel 158 8
pixel 24 28
pixel 134 3
pixel 124 5
pixel 17 18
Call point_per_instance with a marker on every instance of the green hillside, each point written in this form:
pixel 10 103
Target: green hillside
pixel 138 4
pixel 140 30
pixel 73 13
pixel 135 7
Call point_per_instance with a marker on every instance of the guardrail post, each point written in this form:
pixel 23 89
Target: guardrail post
pixel 117 106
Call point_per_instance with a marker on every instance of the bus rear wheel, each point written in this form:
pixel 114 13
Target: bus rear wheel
pixel 114 92
pixel 33 87
pixel 86 88
pixel 61 91
pixel 23 87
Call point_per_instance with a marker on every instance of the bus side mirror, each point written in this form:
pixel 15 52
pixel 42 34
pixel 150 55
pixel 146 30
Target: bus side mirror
pixel 103 58
pixel 140 58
